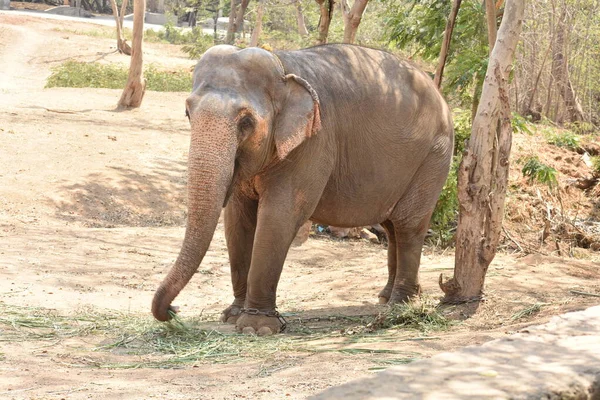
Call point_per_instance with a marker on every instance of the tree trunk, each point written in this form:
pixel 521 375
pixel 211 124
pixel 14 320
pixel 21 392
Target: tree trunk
pixel 439 71
pixel 258 25
pixel 326 8
pixel 490 13
pixel 302 31
pixel 529 110
pixel 560 71
pixel 122 45
pixel 483 173
pixel 352 18
pixel 123 11
pixel 239 17
pixel 231 28
pixel 136 84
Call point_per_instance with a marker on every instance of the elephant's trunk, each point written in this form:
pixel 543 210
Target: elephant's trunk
pixel 210 167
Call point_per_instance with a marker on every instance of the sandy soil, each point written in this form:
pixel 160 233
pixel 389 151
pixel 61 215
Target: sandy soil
pixel 92 213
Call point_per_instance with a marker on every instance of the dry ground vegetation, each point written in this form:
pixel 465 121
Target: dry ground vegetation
pixel 92 209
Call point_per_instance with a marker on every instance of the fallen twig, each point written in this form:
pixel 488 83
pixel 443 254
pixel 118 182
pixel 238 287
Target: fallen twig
pixel 512 239
pixel 584 293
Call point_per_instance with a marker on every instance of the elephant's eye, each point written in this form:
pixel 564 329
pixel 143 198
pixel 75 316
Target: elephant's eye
pixel 246 125
pixel 187 113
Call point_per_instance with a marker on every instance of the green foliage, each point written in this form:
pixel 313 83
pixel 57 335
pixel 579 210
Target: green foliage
pixel 596 165
pixel 580 127
pixel 198 44
pixel 539 172
pixel 96 75
pixel 462 129
pixel 418 27
pixel 565 139
pixel 520 124
pixel 444 218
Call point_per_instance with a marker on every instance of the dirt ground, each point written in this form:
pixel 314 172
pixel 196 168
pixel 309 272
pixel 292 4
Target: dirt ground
pixel 92 209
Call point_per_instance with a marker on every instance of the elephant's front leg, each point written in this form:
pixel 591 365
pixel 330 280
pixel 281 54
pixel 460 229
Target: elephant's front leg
pixel 240 226
pixel 276 228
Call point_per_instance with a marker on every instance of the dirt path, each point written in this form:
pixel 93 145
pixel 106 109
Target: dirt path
pixel 91 218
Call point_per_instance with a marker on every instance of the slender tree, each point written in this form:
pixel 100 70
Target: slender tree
pixel 239 16
pixel 490 14
pixel 560 70
pixel 302 31
pixel 483 172
pixel 231 27
pixel 439 71
pixel 326 11
pixel 136 84
pixel 352 17
pixel 122 45
pixel 258 26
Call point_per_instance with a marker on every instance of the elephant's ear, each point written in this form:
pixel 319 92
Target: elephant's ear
pixel 299 118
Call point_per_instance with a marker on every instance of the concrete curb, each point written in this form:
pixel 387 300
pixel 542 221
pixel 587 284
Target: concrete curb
pixel 558 360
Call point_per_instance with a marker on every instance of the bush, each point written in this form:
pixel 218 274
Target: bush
pixel 565 139
pixel 520 124
pixel 596 165
pixel 77 74
pixel 538 172
pixel 581 127
pixel 199 45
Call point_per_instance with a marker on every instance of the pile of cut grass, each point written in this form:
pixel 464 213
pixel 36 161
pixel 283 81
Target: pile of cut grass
pixel 159 345
pixel 75 74
pixel 423 316
pixel 152 344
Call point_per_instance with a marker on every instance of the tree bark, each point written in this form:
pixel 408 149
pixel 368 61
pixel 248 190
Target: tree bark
pixel 326 9
pixel 231 28
pixel 352 18
pixel 483 173
pixel 490 14
pixel 258 25
pixel 560 71
pixel 136 84
pixel 122 45
pixel 439 71
pixel 239 17
pixel 302 31
pixel 123 11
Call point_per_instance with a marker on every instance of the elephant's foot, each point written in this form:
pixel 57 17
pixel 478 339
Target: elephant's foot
pixel 404 294
pixel 385 294
pixel 261 323
pixel 231 314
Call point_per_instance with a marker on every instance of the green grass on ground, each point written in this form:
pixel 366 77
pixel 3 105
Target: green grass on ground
pixel 77 74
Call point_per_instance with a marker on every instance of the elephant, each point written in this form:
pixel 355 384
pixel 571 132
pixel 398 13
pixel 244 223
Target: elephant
pixel 338 134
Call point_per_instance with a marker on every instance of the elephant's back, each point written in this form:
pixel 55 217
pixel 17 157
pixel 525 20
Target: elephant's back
pixel 359 81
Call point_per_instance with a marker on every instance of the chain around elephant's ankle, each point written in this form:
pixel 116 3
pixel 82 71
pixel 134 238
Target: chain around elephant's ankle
pixel 271 313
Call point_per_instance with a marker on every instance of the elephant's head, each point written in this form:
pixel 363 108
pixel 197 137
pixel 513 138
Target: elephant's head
pixel 245 113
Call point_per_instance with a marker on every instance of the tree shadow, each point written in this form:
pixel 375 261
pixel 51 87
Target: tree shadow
pixel 128 198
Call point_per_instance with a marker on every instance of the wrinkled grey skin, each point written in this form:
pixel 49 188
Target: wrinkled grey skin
pixel 338 134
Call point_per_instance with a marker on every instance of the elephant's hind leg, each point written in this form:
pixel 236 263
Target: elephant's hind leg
pixel 411 218
pixel 240 227
pixel 386 292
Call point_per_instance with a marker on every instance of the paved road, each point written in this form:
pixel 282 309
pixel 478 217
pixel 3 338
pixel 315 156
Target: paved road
pixel 98 20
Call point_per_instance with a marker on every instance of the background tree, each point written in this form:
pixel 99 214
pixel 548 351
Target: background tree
pixel 302 31
pixel 326 13
pixel 135 87
pixel 122 45
pixel 260 11
pixel 352 17
pixel 483 173
pixel 439 71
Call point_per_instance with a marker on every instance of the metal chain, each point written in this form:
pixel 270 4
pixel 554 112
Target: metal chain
pixel 271 313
